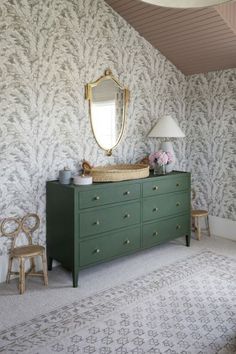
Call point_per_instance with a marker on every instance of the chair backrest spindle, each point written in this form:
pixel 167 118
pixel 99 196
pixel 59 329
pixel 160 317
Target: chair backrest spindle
pixel 20 226
pixel 27 229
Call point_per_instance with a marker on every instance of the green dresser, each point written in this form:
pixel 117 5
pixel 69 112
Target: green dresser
pixel 87 225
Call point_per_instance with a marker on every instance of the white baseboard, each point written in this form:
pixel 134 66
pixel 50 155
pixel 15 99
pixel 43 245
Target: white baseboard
pixel 3 267
pixel 223 227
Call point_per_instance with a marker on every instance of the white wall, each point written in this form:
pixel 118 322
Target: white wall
pixel 225 228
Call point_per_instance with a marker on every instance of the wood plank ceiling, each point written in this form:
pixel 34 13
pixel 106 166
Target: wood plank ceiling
pixel 195 40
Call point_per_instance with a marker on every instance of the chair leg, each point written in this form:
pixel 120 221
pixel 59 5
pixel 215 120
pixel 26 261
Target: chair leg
pixel 193 224
pixel 198 229
pixel 45 272
pixel 9 270
pixel 22 276
pixel 32 264
pixel 208 226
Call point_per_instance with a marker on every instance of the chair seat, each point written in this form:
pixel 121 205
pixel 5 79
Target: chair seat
pixel 27 251
pixel 196 213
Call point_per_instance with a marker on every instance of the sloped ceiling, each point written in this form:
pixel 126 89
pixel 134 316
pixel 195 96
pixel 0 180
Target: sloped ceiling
pixel 195 40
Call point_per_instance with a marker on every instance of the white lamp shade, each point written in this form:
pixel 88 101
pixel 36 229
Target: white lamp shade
pixel 185 3
pixel 166 127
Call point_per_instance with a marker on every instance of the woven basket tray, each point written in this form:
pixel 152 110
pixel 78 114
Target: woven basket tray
pixel 115 173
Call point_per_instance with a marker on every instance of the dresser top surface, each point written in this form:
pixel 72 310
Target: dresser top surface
pixel 151 176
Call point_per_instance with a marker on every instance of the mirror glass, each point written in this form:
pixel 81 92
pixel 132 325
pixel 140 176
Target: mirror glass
pixel 107 103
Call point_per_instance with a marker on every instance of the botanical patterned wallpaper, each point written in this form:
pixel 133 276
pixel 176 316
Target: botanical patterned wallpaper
pixel 211 140
pixel 49 49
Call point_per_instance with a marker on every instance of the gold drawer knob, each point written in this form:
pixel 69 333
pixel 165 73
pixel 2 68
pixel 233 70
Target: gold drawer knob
pixel 178 204
pixel 127 216
pixel 127 242
pixel 127 193
pixel 97 197
pixel 155 209
pixel 178 227
pixel 97 250
pixel 155 233
pixel 97 222
pixel 155 188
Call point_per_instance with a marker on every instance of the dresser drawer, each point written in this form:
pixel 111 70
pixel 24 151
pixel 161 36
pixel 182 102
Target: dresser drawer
pixel 101 220
pixel 164 230
pixel 163 205
pixel 108 246
pixel 109 194
pixel 165 184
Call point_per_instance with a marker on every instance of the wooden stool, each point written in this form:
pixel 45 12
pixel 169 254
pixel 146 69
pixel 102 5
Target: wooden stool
pixel 23 253
pixel 197 214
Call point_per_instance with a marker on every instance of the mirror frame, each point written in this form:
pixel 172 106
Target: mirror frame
pixel 88 96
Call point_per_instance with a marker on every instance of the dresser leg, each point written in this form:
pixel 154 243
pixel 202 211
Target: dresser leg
pixel 75 276
pixel 187 240
pixel 49 261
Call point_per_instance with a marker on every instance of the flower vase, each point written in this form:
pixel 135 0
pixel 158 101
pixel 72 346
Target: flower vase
pixel 159 169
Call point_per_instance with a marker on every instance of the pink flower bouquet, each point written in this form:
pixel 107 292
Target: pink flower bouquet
pixel 160 158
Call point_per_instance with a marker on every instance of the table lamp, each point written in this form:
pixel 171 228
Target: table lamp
pixel 166 128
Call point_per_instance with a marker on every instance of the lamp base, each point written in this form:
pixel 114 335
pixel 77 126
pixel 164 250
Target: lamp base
pixel 168 147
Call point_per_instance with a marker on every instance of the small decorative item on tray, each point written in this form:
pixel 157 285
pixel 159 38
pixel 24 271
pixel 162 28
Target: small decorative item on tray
pixel 65 176
pixel 82 180
pixel 113 173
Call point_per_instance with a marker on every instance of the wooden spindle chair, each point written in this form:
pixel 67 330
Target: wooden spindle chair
pixel 197 215
pixel 22 253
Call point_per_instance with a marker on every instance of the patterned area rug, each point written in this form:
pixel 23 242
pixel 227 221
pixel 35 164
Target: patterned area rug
pixel 188 307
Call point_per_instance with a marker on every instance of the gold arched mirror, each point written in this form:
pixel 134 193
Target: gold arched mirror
pixel 107 109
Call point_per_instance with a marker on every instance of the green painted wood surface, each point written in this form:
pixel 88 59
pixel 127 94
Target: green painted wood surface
pixel 169 185
pixel 163 230
pixel 162 205
pixel 110 245
pixel 108 195
pixel 112 217
pixel 60 224
pixel 87 225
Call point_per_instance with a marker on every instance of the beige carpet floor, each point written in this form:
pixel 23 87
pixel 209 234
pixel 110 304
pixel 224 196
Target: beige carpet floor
pixel 187 307
pixel 37 300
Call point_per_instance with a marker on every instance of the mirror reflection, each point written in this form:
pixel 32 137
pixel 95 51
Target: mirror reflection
pixel 107 102
pixel 107 110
